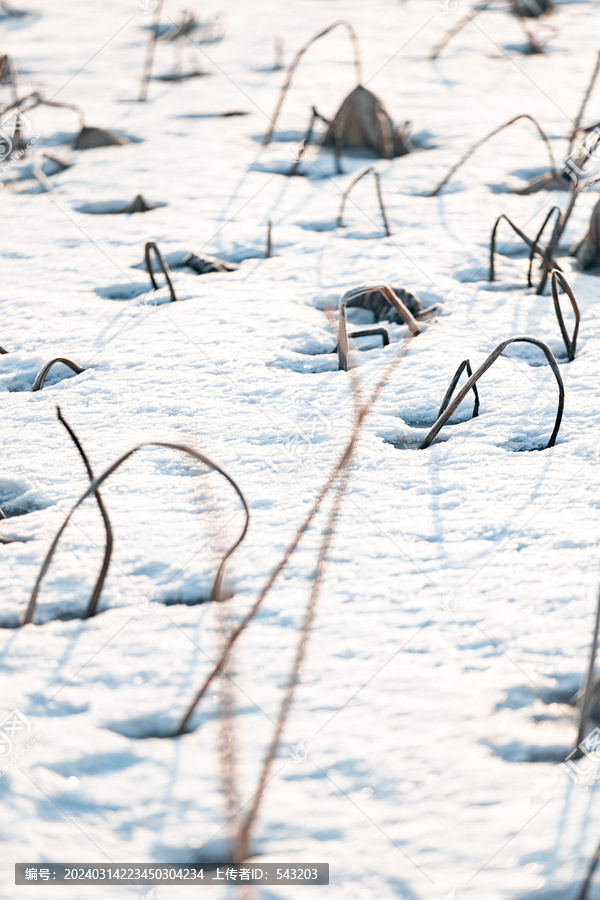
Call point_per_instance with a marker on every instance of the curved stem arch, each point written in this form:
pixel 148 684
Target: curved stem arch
pixel 557 278
pixel 492 134
pixel 152 248
pixel 40 380
pixel 93 488
pixel 351 187
pixel 393 300
pixel 441 421
pixel 298 57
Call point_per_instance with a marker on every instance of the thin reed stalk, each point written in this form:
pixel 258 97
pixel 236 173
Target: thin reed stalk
pixel 150 51
pixel 394 301
pixel 456 28
pixel 244 835
pixel 362 412
pixel 269 247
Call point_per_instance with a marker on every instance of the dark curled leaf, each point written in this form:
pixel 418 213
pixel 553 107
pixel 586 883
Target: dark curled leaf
pixel 363 123
pixel 205 264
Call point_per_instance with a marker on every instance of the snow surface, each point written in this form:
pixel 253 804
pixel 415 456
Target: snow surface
pixel 458 602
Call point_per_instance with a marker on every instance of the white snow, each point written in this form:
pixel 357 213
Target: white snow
pixel 459 597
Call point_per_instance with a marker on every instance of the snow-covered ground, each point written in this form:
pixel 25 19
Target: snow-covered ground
pixel 421 757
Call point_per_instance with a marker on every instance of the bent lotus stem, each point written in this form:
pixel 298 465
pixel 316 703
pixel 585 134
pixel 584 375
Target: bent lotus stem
pixel 152 248
pixel 393 300
pixel 298 57
pixel 535 247
pixel 492 134
pixel 73 106
pixel 557 278
pixel 539 235
pixel 441 421
pixel 27 102
pixel 557 233
pixel 465 364
pixel 95 596
pixel 93 488
pixel 351 187
pixel 40 380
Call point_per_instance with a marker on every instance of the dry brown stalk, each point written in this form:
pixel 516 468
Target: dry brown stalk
pixel 298 57
pixel 95 596
pixel 362 412
pixel 483 140
pixel 182 448
pixel 349 190
pixel 40 380
pixel 486 364
pixel 150 50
